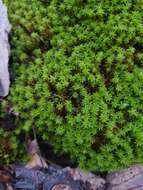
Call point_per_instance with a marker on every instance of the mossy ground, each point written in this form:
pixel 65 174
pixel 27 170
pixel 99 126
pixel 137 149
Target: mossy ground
pixel 77 75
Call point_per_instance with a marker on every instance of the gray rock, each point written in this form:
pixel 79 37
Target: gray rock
pixel 5 28
pixel 95 182
pixel 127 179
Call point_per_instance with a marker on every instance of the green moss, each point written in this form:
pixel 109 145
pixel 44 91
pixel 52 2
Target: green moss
pixel 10 149
pixel 77 77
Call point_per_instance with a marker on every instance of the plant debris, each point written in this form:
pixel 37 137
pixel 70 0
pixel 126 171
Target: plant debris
pixel 36 159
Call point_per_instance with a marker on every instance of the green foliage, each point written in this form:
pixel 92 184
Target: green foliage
pixel 9 148
pixel 77 77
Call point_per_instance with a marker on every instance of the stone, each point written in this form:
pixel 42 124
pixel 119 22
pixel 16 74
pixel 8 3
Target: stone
pixel 127 179
pixel 36 178
pixel 61 187
pixel 5 28
pixel 95 182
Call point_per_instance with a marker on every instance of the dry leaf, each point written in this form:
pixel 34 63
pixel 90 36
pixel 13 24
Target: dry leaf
pixel 35 157
pixel 36 161
pixel 8 187
pixel 5 177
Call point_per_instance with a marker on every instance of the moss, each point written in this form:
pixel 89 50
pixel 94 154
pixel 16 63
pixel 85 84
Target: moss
pixel 77 77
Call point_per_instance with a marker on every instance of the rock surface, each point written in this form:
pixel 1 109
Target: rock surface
pixel 5 28
pixel 127 179
pixel 95 182
pixel 57 178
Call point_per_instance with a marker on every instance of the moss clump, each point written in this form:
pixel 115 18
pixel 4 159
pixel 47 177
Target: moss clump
pixel 77 77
